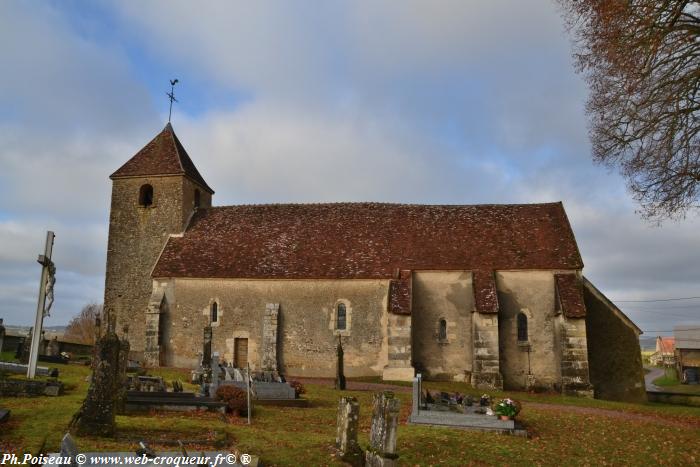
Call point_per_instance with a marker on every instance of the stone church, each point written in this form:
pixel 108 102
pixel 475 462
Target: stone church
pixel 488 294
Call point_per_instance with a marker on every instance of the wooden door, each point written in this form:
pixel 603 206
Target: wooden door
pixel 240 352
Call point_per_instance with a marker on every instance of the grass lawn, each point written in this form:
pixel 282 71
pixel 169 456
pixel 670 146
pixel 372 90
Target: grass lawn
pixel 564 430
pixel 670 383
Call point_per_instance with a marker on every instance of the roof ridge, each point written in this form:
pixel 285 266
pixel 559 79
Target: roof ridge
pixel 382 203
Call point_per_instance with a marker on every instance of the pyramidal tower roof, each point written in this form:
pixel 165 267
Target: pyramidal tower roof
pixel 163 155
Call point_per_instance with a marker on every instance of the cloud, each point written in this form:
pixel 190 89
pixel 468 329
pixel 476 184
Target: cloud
pixel 432 102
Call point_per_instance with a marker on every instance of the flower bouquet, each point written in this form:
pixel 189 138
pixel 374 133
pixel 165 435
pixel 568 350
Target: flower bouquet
pixel 507 409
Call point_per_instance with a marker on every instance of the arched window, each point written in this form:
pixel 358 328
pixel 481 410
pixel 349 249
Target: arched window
pixel 146 195
pixel 522 327
pixel 197 200
pixel 341 317
pixel 214 312
pixel 442 330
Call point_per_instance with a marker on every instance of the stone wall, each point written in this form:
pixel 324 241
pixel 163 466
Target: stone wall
pixel 137 235
pixel 530 293
pixel 306 326
pixel 443 295
pixel 614 356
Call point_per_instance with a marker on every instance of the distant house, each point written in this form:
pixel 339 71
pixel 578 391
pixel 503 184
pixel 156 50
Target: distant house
pixel 688 352
pixel 664 354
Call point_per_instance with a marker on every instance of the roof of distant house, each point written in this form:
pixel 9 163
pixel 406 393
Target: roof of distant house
pixel 666 344
pixel 163 155
pixel 368 240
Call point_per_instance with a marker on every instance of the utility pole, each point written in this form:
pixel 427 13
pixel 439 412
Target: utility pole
pixel 47 271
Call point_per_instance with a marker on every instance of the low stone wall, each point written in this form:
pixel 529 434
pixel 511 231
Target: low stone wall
pixel 674 398
pixel 29 388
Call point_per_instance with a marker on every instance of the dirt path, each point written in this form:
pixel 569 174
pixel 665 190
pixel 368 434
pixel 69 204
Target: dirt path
pixel 654 373
pixel 617 414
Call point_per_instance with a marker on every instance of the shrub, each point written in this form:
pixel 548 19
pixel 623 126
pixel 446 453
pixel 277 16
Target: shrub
pixel 235 398
pixel 299 388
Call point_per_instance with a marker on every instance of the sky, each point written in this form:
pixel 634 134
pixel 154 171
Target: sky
pixel 454 102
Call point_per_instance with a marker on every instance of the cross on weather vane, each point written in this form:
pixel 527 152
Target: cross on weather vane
pixel 171 95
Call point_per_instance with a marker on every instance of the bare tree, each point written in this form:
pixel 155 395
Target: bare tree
pixel 82 327
pixel 641 59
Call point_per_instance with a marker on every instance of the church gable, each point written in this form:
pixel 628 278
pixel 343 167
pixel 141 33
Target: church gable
pixel 368 240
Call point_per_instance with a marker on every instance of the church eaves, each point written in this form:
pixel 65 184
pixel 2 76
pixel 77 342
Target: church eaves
pixel 163 155
pixel 369 240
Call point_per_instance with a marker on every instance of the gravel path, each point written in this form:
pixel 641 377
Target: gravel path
pixel 654 372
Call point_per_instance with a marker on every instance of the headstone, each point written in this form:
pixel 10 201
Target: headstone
pixel 2 334
pixel 206 348
pixel 69 450
pixel 340 373
pixel 215 373
pixel 53 349
pixel 417 395
pixel 25 348
pixel 385 418
pixel 346 435
pixel 96 415
pixel 42 343
pixel 269 337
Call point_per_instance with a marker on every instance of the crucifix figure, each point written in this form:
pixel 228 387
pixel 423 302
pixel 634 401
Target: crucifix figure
pixel 171 95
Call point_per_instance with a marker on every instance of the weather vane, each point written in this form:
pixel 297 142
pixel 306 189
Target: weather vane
pixel 171 95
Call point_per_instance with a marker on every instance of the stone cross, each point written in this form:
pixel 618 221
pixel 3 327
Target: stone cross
pixel 346 435
pixel 206 351
pixel 107 387
pixel 385 418
pixel 2 334
pixel 340 372
pixel 215 373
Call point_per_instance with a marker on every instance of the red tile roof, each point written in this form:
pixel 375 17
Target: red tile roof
pixel 400 297
pixel 666 345
pixel 163 155
pixel 570 292
pixel 368 240
pixel 485 295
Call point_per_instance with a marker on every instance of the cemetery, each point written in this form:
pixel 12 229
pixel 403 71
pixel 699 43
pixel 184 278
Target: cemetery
pixel 225 410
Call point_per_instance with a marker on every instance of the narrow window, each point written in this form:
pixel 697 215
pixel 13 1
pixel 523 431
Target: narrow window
pixel 522 327
pixel 340 317
pixel 214 312
pixel 196 198
pixel 146 195
pixel 442 331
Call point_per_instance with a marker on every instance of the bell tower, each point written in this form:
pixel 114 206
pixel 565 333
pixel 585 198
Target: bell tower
pixel 154 195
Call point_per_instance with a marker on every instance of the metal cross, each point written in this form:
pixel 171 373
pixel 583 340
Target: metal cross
pixel 171 95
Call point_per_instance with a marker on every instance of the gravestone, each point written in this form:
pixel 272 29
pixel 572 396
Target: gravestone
pixel 339 373
pixel 385 418
pixel 206 351
pixel 69 450
pixel 96 415
pixel 24 348
pixel 2 334
pixel 346 435
pixel 215 372
pixel 269 337
pixel 53 349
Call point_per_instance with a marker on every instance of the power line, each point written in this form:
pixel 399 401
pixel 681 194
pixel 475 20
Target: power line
pixel 656 300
